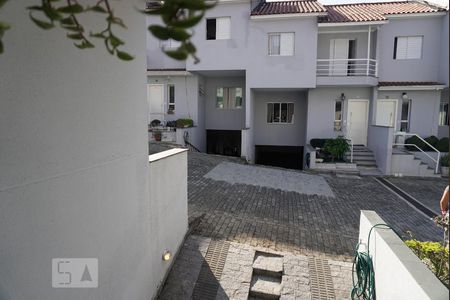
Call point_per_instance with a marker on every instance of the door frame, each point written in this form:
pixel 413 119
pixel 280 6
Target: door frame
pixel 149 103
pixel 339 64
pixel 395 112
pixel 349 101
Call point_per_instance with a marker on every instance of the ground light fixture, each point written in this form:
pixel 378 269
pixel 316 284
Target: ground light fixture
pixel 166 255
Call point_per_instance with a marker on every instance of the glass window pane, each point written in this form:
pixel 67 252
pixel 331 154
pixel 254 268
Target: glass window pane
pixel 338 111
pixel 219 98
pixel 405 110
pixel 171 93
pixel 290 112
pixel 274 44
pixel 238 98
pixel 269 112
pixel 211 29
pixel 404 126
pixel 283 113
pixel 276 112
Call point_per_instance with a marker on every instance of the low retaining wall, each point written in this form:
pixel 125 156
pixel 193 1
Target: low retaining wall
pixel 399 273
pixel 380 139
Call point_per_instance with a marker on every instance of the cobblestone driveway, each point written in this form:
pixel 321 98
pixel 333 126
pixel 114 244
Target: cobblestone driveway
pixel 290 221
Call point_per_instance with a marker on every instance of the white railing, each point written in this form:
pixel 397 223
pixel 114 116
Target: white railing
pixel 405 134
pixel 347 67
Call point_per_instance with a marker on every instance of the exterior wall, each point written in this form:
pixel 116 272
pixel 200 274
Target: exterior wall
pixel 444 63
pixel 424 118
pixel 248 48
pixel 396 265
pixel 425 69
pixel 321 106
pixel 279 134
pixel 223 119
pixel 380 140
pixel 156 58
pixel 186 97
pixel 74 160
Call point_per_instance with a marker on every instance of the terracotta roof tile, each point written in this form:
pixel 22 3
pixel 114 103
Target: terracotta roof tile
pixel 407 83
pixel 287 7
pixel 368 12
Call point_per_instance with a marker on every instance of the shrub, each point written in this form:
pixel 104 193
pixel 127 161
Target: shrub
pixel 182 123
pixel 416 141
pixel 433 141
pixel 155 123
pixel 318 143
pixel 434 255
pixel 337 148
pixel 443 145
pixel 444 161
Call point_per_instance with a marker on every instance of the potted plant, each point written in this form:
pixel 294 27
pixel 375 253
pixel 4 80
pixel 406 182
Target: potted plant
pixel 184 123
pixel 444 165
pixel 157 135
pixel 337 148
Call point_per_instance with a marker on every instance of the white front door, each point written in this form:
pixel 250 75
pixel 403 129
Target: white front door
pixel 357 121
pixel 155 97
pixel 386 112
pixel 339 50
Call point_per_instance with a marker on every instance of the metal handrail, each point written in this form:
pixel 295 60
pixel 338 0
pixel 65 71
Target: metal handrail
pixel 404 134
pixel 357 66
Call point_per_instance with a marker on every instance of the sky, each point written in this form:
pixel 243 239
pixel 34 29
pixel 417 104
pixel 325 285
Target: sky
pixel 439 2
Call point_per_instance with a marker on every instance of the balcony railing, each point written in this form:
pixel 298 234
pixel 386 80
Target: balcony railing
pixel 347 67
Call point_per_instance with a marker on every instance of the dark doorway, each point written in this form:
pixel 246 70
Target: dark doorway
pixel 290 157
pixel 223 142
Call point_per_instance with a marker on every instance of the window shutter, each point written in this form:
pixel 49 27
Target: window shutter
pixel 402 48
pixel 223 30
pixel 414 47
pixel 287 44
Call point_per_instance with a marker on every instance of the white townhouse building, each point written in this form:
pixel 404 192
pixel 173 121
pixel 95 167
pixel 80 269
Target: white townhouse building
pixel 274 75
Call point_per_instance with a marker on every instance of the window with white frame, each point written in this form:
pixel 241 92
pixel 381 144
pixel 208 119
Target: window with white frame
pixel 171 97
pixel 405 116
pixel 229 98
pixel 170 44
pixel 280 112
pixel 443 114
pixel 408 47
pixel 338 115
pixel 281 44
pixel 218 28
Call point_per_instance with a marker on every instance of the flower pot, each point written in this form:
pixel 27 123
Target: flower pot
pixel 444 171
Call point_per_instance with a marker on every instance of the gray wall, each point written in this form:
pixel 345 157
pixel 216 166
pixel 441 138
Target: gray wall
pixel 379 140
pixel 186 96
pixel 74 162
pixel 425 69
pixel 225 119
pixel 321 106
pixel 279 134
pixel 444 63
pixel 424 118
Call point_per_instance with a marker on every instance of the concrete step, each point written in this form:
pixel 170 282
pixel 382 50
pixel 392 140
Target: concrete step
pixel 366 163
pixel 266 264
pixel 265 287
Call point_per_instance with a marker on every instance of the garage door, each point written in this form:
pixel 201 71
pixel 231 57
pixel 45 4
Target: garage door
pixel 290 157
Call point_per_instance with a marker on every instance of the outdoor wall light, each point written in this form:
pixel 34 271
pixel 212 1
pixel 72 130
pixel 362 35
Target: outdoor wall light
pixel 342 96
pixel 404 96
pixel 166 255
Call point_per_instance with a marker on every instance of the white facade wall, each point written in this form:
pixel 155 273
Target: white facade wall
pixel 74 163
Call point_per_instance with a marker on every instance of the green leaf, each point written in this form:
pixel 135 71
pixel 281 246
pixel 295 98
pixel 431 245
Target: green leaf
pixel 160 32
pixel 67 21
pixel 71 9
pixel 2 2
pixel 197 4
pixel 1 47
pixel 42 24
pixel 178 34
pixel 190 48
pixel 117 21
pixel 35 7
pixel 124 56
pixel 98 9
pixel 84 45
pixel 115 41
pixel 97 35
pixel 73 28
pixel 177 54
pixel 51 13
pixel 75 36
pixel 4 26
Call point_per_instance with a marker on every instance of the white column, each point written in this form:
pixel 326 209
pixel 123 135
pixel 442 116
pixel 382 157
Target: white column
pixel 368 50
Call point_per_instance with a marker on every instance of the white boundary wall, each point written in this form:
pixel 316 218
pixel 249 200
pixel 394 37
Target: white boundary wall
pixel 399 274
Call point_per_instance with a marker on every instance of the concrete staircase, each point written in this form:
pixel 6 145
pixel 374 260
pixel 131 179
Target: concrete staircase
pixel 364 159
pixel 266 277
pixel 404 163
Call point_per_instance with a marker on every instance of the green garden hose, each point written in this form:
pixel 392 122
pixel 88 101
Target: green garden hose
pixel 364 286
